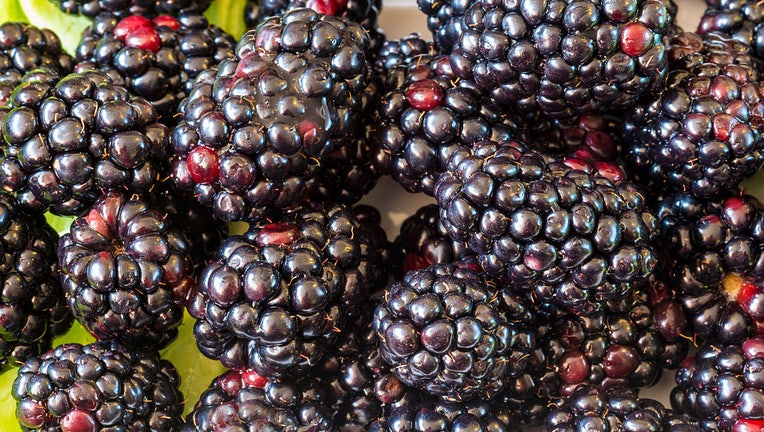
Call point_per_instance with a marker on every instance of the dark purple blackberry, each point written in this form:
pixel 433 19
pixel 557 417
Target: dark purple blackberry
pixel 592 138
pixel 255 130
pixel 401 52
pixel 722 387
pixel 156 59
pixel 718 263
pixel 424 116
pixel 69 140
pixel 23 48
pixel 122 8
pixel 103 386
pixel 563 58
pixel 276 299
pixel 572 238
pixel 241 400
pixel 423 241
pixel 701 134
pixel 741 20
pixel 126 272
pixel 628 344
pixel 447 331
pixel 32 305
pixel 614 409
pixel 426 415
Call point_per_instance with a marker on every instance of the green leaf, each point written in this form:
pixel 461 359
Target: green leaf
pixel 228 15
pixel 12 12
pixel 45 14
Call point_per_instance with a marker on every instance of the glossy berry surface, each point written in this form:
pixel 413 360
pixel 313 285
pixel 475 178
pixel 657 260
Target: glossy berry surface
pixel 276 299
pixel 126 272
pixel 123 8
pixel 742 20
pixel 97 387
pixel 68 140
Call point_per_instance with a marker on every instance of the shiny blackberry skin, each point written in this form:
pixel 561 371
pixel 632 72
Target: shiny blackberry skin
pixel 276 299
pixel 571 238
pixel 593 137
pixel 126 272
pixel 722 386
pixel 741 20
pixel 614 409
pixel 702 133
pixel 425 114
pixel 23 48
pixel 563 57
pixel 629 344
pixel 156 60
pixel 102 386
pixel 32 303
pixel 446 331
pixel 423 241
pixel 257 129
pixel 240 400
pixel 403 51
pixel 713 243
pixel 67 141
pixel 148 8
pixel 429 415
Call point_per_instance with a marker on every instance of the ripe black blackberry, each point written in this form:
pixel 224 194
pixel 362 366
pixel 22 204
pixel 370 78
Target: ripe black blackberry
pixel 241 400
pixel 572 238
pixel 563 58
pixel 400 52
pixel 23 48
pixel 122 8
pixel 97 387
pixel 592 138
pixel 32 304
pixel 126 272
pixel 255 130
pixel 614 409
pixel 718 263
pixel 156 59
pixel 741 20
pixel 722 386
pixel 69 140
pixel 423 241
pixel 702 133
pixel 275 299
pixel 424 116
pixel 446 331
pixel 628 344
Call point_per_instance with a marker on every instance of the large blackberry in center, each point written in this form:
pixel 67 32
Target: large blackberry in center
pixel 563 57
pixel 156 59
pixel 569 236
pixel 275 299
pixel 258 128
pixel 68 140
pixel 126 272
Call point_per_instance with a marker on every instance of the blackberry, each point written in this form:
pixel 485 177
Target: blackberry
pixel 571 237
pixel 102 386
pixel 401 52
pixel 32 305
pixel 563 58
pixel 156 59
pixel 741 20
pixel 126 272
pixel 614 409
pixel 23 48
pixel 423 241
pixel 701 134
pixel 722 386
pixel 718 264
pixel 122 8
pixel 592 138
pixel 424 116
pixel 255 130
pixel 276 299
pixel 241 400
pixel 430 415
pixel 447 331
pixel 628 344
pixel 67 141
